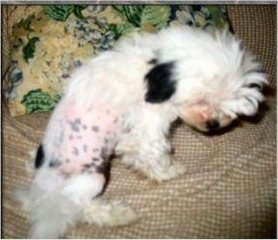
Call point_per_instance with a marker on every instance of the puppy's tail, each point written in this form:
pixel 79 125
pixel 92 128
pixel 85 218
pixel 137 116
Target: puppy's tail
pixel 51 214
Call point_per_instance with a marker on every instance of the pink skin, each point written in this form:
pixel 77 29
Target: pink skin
pixel 82 141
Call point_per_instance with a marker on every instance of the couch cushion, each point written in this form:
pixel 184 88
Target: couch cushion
pixel 49 42
pixel 256 26
pixel 228 190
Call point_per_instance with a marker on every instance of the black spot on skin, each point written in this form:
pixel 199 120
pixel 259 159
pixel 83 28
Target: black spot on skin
pixel 95 150
pixel 160 83
pixel 39 160
pixel 67 160
pixel 75 151
pixel 88 167
pixel 95 159
pixel 61 137
pixel 74 125
pixel 77 121
pixel 64 174
pixel 70 137
pixel 116 120
pixel 75 128
pixel 95 128
pixel 103 153
pixel 84 126
pixel 54 163
pixel 85 147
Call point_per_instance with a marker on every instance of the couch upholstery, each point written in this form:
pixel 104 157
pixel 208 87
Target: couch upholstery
pixel 228 191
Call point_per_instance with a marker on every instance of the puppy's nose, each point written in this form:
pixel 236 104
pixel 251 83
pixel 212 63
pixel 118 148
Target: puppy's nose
pixel 212 125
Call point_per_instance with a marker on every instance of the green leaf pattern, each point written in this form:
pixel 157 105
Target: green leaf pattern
pixel 157 16
pixel 25 23
pixel 38 101
pixel 62 12
pixel 29 48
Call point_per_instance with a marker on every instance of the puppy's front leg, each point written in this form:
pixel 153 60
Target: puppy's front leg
pixel 146 147
pixel 155 160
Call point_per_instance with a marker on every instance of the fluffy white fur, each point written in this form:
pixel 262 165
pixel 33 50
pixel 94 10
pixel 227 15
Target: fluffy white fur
pixel 215 80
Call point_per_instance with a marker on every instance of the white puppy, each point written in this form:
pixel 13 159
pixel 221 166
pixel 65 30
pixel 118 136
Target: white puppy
pixel 123 102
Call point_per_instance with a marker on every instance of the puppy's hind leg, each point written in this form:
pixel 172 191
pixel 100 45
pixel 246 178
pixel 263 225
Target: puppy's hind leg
pixel 52 207
pixel 107 213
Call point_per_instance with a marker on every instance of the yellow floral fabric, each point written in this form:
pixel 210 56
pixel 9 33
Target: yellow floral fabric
pixel 48 42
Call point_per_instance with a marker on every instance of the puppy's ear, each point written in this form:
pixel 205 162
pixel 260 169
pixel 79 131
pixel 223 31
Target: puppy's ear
pixel 39 157
pixel 160 83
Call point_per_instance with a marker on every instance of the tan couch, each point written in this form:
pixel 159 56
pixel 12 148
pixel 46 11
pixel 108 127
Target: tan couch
pixel 228 191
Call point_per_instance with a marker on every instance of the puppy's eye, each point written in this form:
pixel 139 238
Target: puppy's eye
pixel 39 160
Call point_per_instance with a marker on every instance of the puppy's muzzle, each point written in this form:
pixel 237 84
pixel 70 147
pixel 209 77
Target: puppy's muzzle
pixel 212 125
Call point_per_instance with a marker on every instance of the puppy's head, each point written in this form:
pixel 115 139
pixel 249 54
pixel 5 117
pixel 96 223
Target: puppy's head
pixel 204 117
pixel 211 84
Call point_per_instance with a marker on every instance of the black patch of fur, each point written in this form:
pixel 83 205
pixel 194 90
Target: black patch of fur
pixel 39 160
pixel 104 168
pixel 160 83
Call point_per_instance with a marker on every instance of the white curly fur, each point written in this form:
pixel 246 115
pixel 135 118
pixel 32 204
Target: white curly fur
pixel 214 77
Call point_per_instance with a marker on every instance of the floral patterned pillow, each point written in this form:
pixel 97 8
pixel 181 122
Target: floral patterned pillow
pixel 49 42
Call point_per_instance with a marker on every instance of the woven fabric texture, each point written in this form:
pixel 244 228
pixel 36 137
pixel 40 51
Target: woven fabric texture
pixel 228 191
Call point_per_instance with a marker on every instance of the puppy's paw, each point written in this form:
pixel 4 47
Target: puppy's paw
pixel 105 213
pixel 164 174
